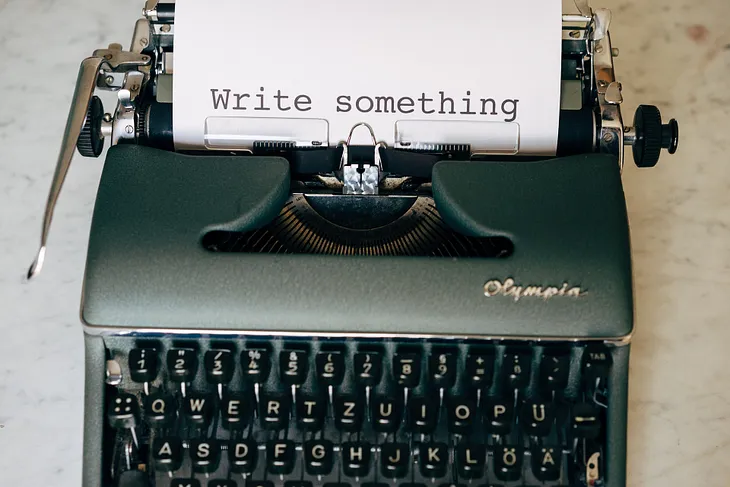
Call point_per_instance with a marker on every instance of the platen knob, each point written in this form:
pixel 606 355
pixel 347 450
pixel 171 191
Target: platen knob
pixel 652 136
pixel 91 141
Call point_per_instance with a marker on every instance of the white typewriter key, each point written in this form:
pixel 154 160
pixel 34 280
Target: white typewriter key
pixel 113 372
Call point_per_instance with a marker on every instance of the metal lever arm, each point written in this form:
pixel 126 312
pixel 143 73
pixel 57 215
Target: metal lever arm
pixel 85 85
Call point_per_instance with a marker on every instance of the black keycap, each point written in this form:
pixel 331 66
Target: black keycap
pixel 479 370
pixel 256 365
pixel 280 457
pixel 236 410
pixel 311 410
pixel 585 421
pixel 297 483
pixel 470 460
pixel 182 364
pixel 554 371
pixel 159 409
pixel 275 410
pixel 422 415
pixel 218 366
pixel 356 459
pixel 394 460
pixel 143 364
pixel 318 457
pixel 434 460
pixel 184 483
pixel 259 483
pixel 499 416
pixel 442 369
pixel 546 462
pixel 407 369
pixel 222 483
pixel 123 411
pixel 368 368
pixel 293 367
pixel 387 413
pixel 330 368
pixel 205 455
pixel 198 408
pixel 453 485
pixel 348 413
pixel 516 369
pixel 508 463
pixel 537 418
pixel 596 369
pixel 462 414
pixel 242 456
pixel 167 454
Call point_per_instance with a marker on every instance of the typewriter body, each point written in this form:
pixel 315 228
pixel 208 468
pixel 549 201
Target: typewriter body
pixel 355 315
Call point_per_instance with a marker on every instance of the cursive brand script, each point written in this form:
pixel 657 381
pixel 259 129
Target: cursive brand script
pixel 509 288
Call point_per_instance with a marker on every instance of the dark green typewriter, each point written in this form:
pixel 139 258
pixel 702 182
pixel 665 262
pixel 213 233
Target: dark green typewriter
pixel 355 316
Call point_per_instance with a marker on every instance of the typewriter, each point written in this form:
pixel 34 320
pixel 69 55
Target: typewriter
pixel 354 316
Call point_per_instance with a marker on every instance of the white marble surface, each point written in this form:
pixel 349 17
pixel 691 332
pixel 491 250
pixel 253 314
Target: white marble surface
pixel 674 53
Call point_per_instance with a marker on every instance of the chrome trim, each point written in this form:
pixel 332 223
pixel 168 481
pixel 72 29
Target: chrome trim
pixel 106 330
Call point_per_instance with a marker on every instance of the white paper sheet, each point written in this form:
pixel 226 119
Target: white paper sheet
pixel 305 72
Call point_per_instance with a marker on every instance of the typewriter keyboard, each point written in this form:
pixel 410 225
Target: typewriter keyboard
pixel 350 413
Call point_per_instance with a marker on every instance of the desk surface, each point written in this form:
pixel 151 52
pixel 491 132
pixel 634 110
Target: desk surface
pixel 674 53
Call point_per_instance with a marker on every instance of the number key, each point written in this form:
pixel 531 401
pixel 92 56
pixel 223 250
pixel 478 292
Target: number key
pixel 256 364
pixel 407 369
pixel 219 366
pixel 368 368
pixel 516 369
pixel 143 364
pixel 442 368
pixel 330 368
pixel 293 367
pixel 182 364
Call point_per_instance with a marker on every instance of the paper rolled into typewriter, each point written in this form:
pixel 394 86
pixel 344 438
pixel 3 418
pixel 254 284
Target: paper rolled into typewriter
pixel 423 75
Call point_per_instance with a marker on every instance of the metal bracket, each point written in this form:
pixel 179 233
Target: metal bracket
pixel 113 59
pixel 365 178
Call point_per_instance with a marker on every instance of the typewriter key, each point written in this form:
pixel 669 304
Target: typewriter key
pixel 434 459
pixel 182 364
pixel 242 456
pixel 462 413
pixel 355 459
pixel 348 413
pixel 499 416
pixel 198 408
pixel 280 457
pixel 394 460
pixel 293 367
pixel 123 411
pixel 387 413
pixel 237 409
pixel 368 368
pixel 546 462
pixel 274 411
pixel 256 364
pixel 470 460
pixel 159 409
pixel 422 415
pixel 585 421
pixel 508 463
pixel 205 455
pixel 311 410
pixel 554 370
pixel 222 483
pixel 143 364
pixel 537 418
pixel 218 366
pixel 442 369
pixel 167 453
pixel 407 369
pixel 330 368
pixel 318 457
pixel 516 369
pixel 479 370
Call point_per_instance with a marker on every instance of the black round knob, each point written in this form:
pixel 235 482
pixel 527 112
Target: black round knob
pixel 652 136
pixel 91 141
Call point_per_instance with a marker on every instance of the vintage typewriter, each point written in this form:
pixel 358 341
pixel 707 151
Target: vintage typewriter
pixel 355 315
